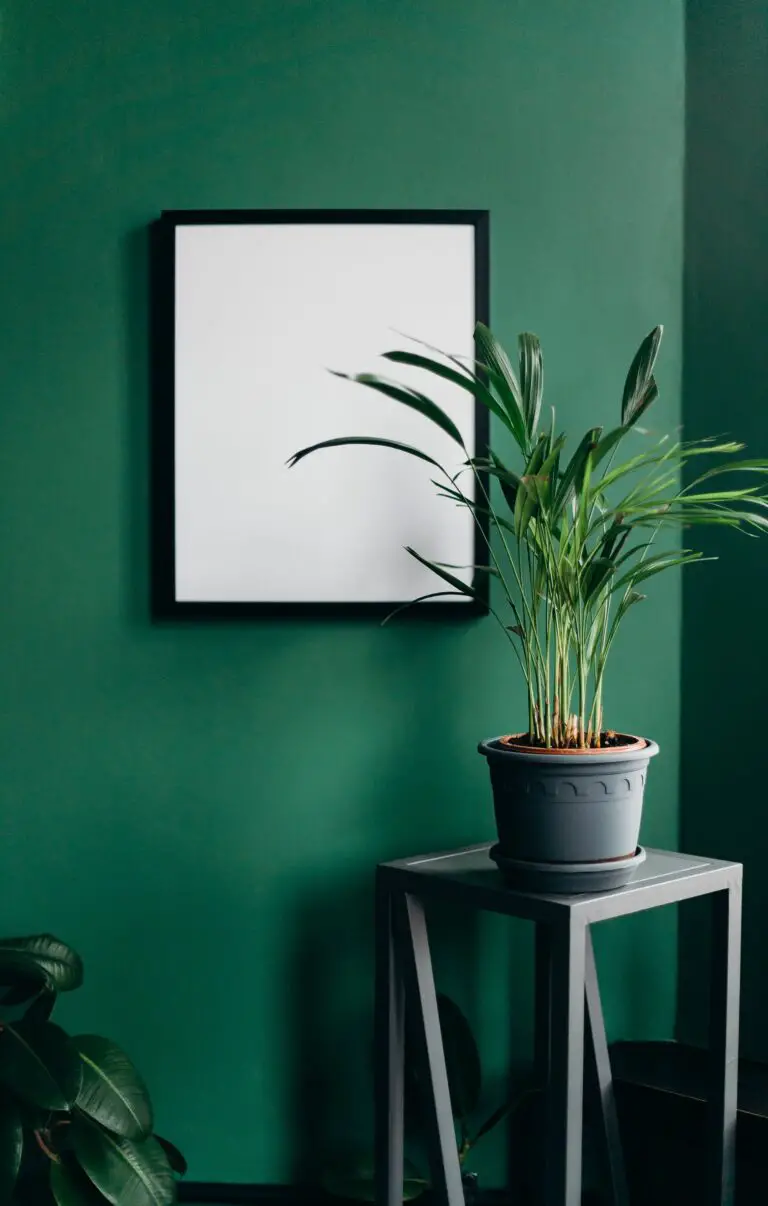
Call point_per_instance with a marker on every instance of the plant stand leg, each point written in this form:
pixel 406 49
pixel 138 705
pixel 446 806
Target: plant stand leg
pixel 724 1043
pixel 566 1082
pixel 599 1065
pixel 389 1048
pixel 423 1015
pixel 542 1033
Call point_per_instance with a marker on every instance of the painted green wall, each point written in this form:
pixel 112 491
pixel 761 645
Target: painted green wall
pixel 199 809
pixel 725 647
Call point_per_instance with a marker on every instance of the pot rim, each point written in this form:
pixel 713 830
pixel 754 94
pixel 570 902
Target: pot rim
pixel 641 748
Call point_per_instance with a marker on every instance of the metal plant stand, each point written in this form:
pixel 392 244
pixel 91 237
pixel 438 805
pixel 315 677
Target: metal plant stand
pixel 567 1000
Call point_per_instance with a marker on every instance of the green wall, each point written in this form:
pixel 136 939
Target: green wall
pixel 199 809
pixel 725 647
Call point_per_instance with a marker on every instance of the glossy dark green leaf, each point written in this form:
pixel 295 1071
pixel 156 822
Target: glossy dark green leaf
pixel 175 1158
pixel 56 962
pixel 640 388
pixel 39 1062
pixel 70 1186
pixel 373 441
pixel 125 1172
pixel 42 1007
pixel 410 398
pixel 112 1091
pixel 462 1058
pixel 11 1147
pixel 531 380
pixel 357 1182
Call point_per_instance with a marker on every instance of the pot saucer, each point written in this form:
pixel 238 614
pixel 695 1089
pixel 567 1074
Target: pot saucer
pixel 567 878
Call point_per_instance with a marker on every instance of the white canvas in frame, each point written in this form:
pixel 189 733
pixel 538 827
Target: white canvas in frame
pixel 262 312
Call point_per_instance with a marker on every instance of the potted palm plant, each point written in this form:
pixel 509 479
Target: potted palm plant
pixel 572 534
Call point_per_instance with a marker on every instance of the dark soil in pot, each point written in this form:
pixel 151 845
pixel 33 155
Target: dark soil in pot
pixel 569 805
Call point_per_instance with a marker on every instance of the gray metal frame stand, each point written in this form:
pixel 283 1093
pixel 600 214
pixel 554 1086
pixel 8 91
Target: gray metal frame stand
pixel 567 1002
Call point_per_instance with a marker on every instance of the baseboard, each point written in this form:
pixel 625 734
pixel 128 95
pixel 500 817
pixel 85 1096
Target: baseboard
pixel 226 1193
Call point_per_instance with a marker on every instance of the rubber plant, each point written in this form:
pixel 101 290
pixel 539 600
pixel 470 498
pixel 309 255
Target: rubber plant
pixel 76 1119
pixel 355 1179
pixel 570 537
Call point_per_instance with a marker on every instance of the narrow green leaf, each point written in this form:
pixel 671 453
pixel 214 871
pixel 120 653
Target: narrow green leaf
pixel 640 387
pixel 456 583
pixel 408 397
pixel 112 1092
pixel 470 383
pixel 656 565
pixel 125 1172
pixel 527 496
pixel 373 441
pixel 11 1147
pixel 54 961
pixel 436 594
pixel 531 379
pixel 756 465
pixel 39 1062
pixel 607 444
pixel 573 475
pixel 493 355
pixel 71 1187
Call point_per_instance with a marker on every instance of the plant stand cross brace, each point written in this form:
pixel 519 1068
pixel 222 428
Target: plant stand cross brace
pixel 567 1004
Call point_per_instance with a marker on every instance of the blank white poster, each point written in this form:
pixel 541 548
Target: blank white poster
pixel 262 313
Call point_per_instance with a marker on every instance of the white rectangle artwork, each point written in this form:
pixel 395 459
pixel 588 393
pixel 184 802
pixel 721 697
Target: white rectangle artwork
pixel 262 313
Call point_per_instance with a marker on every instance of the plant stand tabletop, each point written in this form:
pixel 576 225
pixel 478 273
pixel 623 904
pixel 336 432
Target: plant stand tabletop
pixel 567 1002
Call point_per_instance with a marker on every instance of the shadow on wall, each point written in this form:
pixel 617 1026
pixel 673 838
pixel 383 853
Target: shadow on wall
pixel 330 1003
pixel 725 633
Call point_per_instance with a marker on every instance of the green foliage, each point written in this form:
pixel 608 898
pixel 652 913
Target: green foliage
pixel 356 1179
pixel 580 532
pixel 79 1101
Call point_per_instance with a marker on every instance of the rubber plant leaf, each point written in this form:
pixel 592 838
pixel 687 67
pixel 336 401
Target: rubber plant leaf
pixel 462 1058
pixel 127 1173
pixel 175 1158
pixel 48 957
pixel 71 1187
pixel 11 1147
pixel 112 1092
pixel 40 1063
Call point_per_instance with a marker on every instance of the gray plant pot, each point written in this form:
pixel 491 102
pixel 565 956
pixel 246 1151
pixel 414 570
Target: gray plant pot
pixel 559 807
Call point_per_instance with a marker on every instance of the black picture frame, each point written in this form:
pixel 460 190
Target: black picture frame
pixel 164 602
